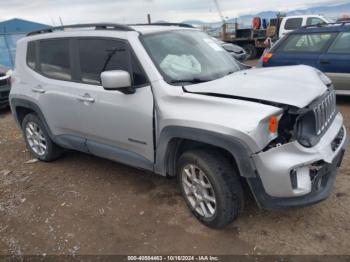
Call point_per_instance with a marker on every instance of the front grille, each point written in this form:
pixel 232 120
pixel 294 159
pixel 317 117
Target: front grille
pixel 316 118
pixel 4 94
pixel 325 112
pixel 4 82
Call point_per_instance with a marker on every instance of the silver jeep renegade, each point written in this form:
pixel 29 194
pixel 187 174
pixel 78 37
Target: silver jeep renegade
pixel 170 100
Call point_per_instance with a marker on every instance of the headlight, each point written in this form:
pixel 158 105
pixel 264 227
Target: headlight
pixel 9 73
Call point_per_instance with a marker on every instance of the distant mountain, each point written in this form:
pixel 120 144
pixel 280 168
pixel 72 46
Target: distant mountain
pixel 330 11
pixel 194 22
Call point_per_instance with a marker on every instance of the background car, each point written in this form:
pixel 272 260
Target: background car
pixel 325 47
pixel 5 75
pixel 236 51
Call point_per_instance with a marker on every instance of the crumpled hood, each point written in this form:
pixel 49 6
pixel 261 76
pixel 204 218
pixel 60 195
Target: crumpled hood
pixel 291 85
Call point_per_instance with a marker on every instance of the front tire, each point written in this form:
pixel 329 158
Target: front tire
pixel 251 51
pixel 38 140
pixel 211 187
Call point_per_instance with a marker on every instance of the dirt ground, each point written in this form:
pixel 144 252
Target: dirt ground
pixel 82 204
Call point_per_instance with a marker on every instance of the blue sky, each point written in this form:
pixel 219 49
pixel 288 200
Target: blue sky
pixel 135 11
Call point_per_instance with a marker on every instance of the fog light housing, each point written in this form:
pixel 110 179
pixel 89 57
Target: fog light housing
pixel 300 180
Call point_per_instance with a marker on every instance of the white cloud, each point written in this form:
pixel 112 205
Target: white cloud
pixel 135 11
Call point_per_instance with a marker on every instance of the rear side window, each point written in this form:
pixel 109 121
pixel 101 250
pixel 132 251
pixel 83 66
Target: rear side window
pixel 293 23
pixel 31 55
pixel 341 44
pixel 99 55
pixel 307 43
pixel 54 59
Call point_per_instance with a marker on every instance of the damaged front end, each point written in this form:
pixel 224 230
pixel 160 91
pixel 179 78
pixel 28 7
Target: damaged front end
pixel 306 125
pixel 299 166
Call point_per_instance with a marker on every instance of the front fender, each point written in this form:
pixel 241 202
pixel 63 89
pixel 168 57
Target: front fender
pixel 239 150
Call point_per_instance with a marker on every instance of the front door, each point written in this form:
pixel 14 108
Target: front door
pixel 117 126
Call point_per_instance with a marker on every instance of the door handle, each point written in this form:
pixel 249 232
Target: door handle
pixel 86 98
pixel 38 89
pixel 325 62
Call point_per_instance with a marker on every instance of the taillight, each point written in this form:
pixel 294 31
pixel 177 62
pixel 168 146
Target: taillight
pixel 267 57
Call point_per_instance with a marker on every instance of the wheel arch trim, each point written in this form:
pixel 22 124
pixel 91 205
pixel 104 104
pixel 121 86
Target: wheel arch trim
pixel 235 146
pixel 19 102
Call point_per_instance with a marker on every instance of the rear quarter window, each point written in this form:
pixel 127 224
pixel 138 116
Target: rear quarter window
pixel 306 42
pixel 293 23
pixel 31 55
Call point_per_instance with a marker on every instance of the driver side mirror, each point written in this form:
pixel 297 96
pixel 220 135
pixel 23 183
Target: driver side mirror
pixel 117 80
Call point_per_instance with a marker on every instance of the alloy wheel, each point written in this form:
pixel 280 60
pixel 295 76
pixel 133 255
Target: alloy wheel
pixel 36 138
pixel 198 190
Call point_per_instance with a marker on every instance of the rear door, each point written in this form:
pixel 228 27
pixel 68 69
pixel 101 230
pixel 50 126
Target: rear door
pixel 336 62
pixel 301 49
pixel 54 89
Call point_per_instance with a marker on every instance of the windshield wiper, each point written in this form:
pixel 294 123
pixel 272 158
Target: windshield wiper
pixel 190 80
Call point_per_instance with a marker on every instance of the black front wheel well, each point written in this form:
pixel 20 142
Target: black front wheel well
pixel 177 146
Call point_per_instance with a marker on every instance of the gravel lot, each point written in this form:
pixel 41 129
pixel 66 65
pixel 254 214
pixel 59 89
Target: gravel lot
pixel 82 204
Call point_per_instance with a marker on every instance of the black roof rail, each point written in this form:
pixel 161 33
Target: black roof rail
pixel 98 26
pixel 170 24
pixel 326 24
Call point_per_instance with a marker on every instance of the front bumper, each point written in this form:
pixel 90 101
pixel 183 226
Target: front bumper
pixel 292 175
pixel 4 90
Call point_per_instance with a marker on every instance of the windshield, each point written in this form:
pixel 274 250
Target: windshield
pixel 188 56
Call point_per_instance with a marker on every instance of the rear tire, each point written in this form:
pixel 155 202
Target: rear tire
pixel 38 140
pixel 217 198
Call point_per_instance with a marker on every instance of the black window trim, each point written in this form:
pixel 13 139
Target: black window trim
pixel 74 63
pixel 278 49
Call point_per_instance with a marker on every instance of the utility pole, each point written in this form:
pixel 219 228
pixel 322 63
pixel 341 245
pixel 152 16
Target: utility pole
pixel 219 11
pixel 61 20
pixel 222 19
pixel 149 19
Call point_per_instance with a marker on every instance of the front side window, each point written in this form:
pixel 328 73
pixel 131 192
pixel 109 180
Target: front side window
pixel 99 55
pixel 293 23
pixel 341 44
pixel 54 59
pixel 307 42
pixel 188 56
pixel 314 21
